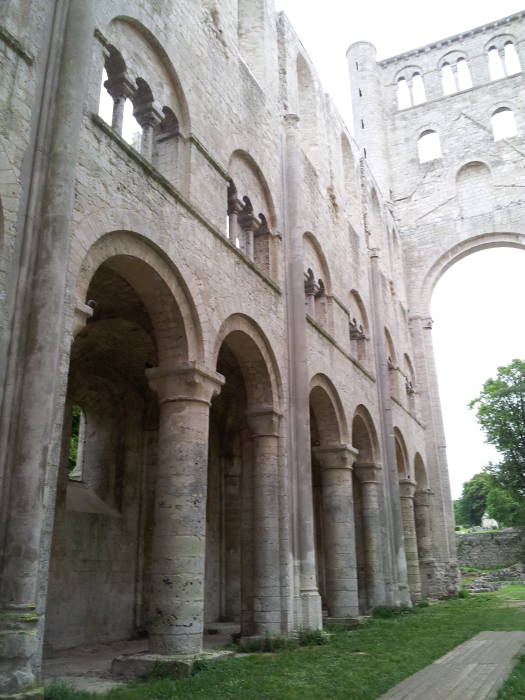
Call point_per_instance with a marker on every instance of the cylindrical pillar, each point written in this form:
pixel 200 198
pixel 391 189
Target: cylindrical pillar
pixel 36 335
pixel 264 424
pixel 308 601
pixel 338 531
pixel 407 489
pixel 369 476
pixel 179 532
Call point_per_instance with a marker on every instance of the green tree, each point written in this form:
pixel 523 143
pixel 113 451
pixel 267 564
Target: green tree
pixel 503 507
pixel 500 410
pixel 473 501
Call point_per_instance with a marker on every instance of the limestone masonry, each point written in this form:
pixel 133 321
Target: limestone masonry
pixel 218 397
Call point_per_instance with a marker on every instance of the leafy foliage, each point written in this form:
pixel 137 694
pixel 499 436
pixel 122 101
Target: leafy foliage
pixel 500 410
pixel 73 442
pixel 470 507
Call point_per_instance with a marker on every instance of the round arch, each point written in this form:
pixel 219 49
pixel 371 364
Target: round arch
pixel 327 409
pixel 457 252
pixel 311 240
pixel 403 465
pixel 156 46
pixel 242 158
pixel 420 473
pixel 158 283
pixel 364 436
pixel 256 359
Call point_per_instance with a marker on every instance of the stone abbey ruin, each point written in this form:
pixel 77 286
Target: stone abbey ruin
pixel 218 397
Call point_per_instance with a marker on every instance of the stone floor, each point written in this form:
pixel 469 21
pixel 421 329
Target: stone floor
pixel 474 670
pixel 87 667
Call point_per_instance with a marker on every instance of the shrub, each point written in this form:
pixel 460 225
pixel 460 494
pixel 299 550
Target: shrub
pixel 312 638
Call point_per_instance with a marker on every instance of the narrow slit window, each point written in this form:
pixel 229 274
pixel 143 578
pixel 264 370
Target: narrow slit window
pixel 448 80
pixel 418 89
pixel 403 94
pixel 503 124
pixel 463 73
pixel 496 69
pixel 429 146
pixel 512 60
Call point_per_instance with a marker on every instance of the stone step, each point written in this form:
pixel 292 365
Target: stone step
pixel 474 670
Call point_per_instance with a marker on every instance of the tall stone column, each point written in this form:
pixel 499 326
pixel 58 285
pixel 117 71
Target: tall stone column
pixel 339 531
pixel 307 599
pixel 33 402
pixel 264 424
pixel 395 564
pixel 407 489
pixel 423 523
pixel 176 605
pixel 369 476
pixel 445 576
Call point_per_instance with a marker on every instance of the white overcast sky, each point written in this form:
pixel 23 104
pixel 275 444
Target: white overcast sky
pixel 478 303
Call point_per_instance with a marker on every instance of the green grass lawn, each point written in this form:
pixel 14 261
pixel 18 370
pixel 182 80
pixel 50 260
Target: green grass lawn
pixel 357 665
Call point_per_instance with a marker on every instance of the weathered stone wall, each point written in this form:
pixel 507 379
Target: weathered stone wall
pixel 160 295
pixel 488 550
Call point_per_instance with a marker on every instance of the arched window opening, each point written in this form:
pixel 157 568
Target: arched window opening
pixel 463 74
pixel 393 369
pixel 76 443
pixel 117 86
pixel 316 281
pixel 308 124
pixel 429 146
pixel 512 60
pixel 165 153
pixel 410 382
pixel 146 116
pixel 358 327
pixel 448 80
pixel 503 124
pixel 496 69
pixel 404 99
pixel 400 460
pixel 418 89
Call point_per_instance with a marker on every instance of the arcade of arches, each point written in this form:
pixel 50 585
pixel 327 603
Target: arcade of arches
pixel 219 403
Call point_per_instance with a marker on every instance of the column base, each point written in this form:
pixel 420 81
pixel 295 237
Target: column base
pixel 438 579
pixel 347 623
pixel 132 666
pixel 309 610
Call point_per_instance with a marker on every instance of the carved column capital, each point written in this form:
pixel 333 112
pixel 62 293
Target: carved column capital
pixel 82 313
pixel 184 382
pixel 291 121
pixel 407 488
pixel 368 472
pixel 335 456
pixel 263 421
pixel 422 498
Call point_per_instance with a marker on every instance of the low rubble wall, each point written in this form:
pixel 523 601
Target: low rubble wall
pixel 487 550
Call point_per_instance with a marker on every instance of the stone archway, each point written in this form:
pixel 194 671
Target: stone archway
pixel 119 524
pixel 243 568
pixel 332 461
